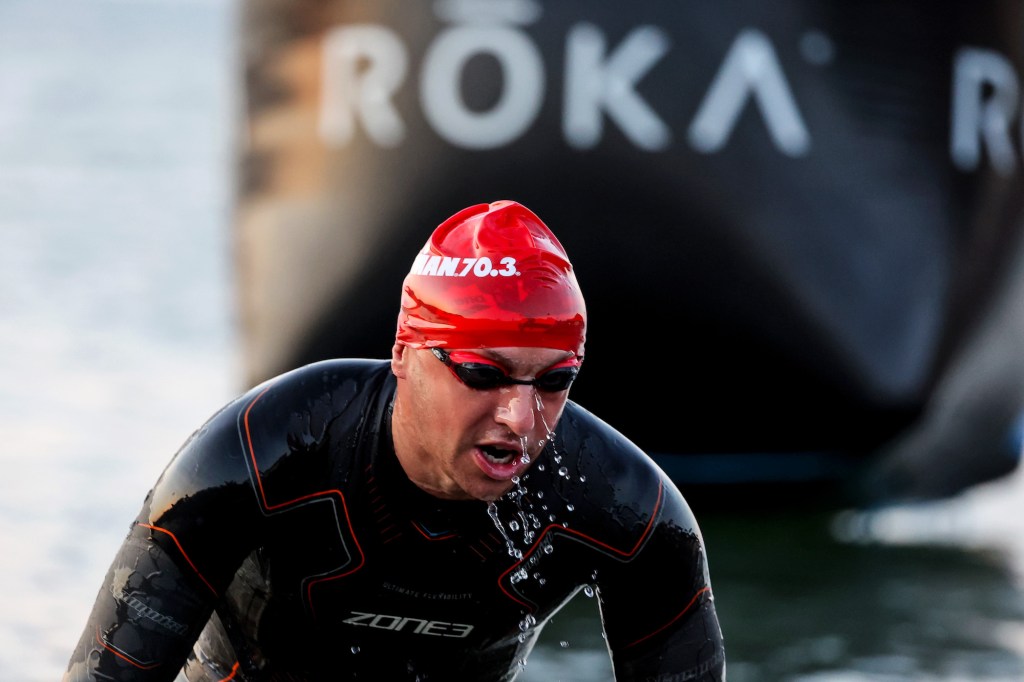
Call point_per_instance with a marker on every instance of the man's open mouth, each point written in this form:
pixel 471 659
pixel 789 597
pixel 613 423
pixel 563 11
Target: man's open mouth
pixel 498 455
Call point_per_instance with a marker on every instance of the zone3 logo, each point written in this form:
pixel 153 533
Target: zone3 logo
pixel 451 266
pixel 418 626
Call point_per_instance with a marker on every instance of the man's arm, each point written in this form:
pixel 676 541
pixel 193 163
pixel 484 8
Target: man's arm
pixel 692 649
pixel 178 557
pixel 146 617
pixel 659 609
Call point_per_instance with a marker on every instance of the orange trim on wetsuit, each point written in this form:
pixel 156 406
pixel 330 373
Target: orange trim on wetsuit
pixel 182 550
pixel 120 654
pixel 295 485
pixel 298 500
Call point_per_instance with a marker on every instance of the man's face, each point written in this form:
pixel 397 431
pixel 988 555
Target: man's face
pixel 460 442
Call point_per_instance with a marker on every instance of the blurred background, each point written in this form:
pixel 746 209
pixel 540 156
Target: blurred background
pixel 798 230
pixel 118 329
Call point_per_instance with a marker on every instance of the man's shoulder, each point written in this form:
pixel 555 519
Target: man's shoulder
pixel 340 367
pixel 606 456
pixel 328 373
pixel 615 495
pixel 582 429
pixel 334 383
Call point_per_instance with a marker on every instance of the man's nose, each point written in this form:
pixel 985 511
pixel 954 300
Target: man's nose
pixel 517 409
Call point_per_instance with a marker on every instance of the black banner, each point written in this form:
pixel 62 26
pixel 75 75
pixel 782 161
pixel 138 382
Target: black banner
pixel 796 223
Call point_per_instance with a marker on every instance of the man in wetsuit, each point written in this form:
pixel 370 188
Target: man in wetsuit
pixel 419 518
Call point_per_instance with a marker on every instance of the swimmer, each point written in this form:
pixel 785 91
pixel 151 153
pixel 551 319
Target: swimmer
pixel 414 518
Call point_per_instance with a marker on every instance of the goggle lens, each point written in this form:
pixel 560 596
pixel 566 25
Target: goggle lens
pixel 483 376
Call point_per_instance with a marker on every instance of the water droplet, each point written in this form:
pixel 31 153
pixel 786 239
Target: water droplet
pixel 492 511
pixel 548 549
pixel 583 479
pixel 589 591
pixel 513 525
pixel 564 644
pixel 563 472
pixel 355 650
pixel 570 507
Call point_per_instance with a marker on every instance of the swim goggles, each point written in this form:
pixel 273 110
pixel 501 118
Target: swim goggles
pixel 483 376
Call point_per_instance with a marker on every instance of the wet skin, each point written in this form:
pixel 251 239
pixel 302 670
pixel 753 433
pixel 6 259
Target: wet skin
pixel 444 430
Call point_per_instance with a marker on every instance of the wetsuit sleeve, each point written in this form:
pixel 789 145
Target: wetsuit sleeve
pixel 658 608
pixel 178 557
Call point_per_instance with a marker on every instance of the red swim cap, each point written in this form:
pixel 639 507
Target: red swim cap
pixel 492 275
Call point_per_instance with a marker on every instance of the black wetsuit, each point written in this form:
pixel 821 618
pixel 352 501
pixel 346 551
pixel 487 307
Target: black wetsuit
pixel 285 542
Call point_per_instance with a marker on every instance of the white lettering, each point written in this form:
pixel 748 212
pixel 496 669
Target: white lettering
pixel 436 628
pixel 449 266
pixel 431 266
pixel 358 617
pixel 420 624
pixel 460 630
pixel 483 267
pixel 385 622
pixel 593 87
pixel 510 267
pixel 978 120
pixel 521 94
pixel 418 263
pixel 363 66
pixel 751 68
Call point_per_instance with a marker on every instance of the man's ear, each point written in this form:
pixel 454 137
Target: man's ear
pixel 399 358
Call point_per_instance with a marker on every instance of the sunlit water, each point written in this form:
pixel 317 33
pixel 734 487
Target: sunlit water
pixel 116 331
pixel 117 339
